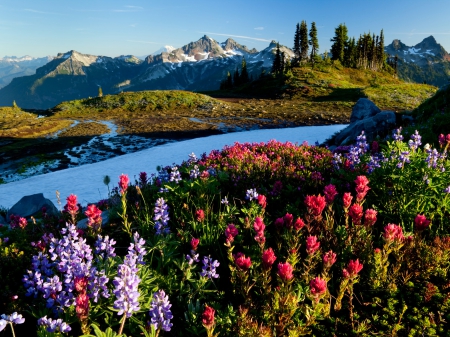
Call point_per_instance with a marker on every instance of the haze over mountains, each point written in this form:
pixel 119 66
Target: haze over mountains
pixel 197 66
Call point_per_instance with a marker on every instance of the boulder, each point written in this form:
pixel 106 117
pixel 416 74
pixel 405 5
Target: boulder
pixel 2 221
pixel 364 108
pixel 31 204
pixel 105 218
pixel 376 125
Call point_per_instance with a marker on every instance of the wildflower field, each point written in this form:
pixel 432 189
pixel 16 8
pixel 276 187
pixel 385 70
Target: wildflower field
pixel 262 239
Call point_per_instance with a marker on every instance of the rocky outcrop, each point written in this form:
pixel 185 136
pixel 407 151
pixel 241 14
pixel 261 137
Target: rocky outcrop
pixel 367 117
pixel 30 205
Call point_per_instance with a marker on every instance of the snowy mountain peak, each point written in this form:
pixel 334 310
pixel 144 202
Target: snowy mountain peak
pixel 165 49
pixel 427 50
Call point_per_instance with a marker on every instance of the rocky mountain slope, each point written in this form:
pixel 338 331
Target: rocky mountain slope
pixel 426 62
pixel 197 66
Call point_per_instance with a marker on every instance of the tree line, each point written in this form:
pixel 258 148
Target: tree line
pixel 365 53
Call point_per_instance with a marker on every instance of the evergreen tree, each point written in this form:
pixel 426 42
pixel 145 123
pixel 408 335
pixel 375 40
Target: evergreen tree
pixel 276 65
pixel 244 73
pixel 236 78
pixel 350 53
pixel 380 51
pixel 229 80
pixel 282 62
pixel 339 40
pixel 314 42
pixel 304 44
pixel 297 44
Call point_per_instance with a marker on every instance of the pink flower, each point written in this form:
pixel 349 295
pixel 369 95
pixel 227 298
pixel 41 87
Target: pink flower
pixel 200 215
pixel 268 258
pixel 262 200
pixel 82 305
pixel 279 223
pixel 288 219
pixel 318 286
pixel 94 216
pixel 123 183
pixel 194 243
pixel 329 259
pixel 377 251
pixel 231 232
pixel 17 221
pixel 312 245
pixel 375 147
pixel 72 204
pixel 330 193
pixel 361 188
pixel 393 232
pixel 370 217
pixel 298 224
pixel 258 225
pixel 242 262
pixel 315 204
pixel 353 268
pixel 208 317
pixel 421 223
pixel 356 213
pixel 80 283
pixel 347 199
pixel 442 140
pixel 285 271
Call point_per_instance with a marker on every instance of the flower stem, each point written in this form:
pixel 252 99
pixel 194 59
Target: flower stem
pixel 122 324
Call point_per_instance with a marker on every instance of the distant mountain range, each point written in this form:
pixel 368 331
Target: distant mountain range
pixel 197 66
pixel 12 66
pixel 426 62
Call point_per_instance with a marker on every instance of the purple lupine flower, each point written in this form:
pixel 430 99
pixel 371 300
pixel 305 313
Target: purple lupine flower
pixel 54 272
pixel 54 325
pixel 193 257
pixel 175 175
pixel 337 160
pixel 403 158
pixel 3 324
pixel 192 158
pixel 447 190
pixel 13 318
pixel 195 172
pixel 161 217
pixel 104 247
pixel 209 267
pixel 251 194
pixel 127 281
pixel 361 143
pixel 375 162
pixel 160 311
pixel 354 155
pixel 397 134
pixel 415 141
pixel 433 156
pixel 224 201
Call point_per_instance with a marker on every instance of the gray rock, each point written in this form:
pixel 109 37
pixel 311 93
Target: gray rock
pixel 2 220
pixel 105 218
pixel 364 108
pixel 372 126
pixel 31 204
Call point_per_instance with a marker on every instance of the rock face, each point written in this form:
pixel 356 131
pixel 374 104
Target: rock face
pixel 2 220
pixel 367 117
pixel 32 204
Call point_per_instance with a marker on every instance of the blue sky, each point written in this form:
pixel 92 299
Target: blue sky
pixel 121 27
